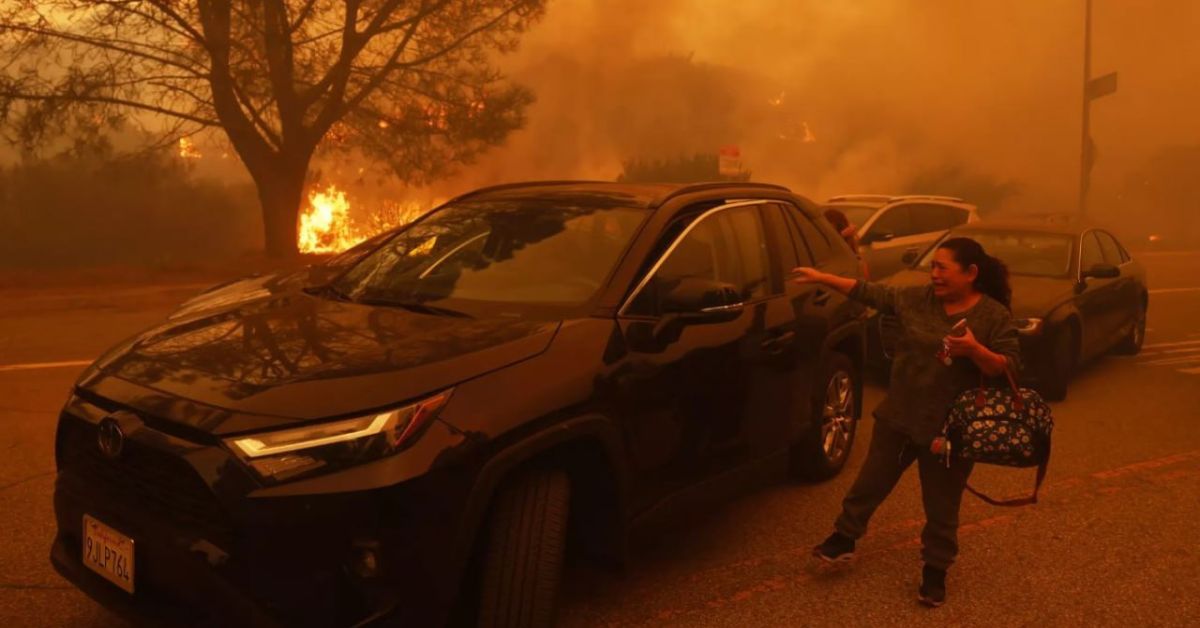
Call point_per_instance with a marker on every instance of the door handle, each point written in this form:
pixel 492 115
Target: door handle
pixel 821 297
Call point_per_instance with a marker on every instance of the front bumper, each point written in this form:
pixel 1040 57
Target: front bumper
pixel 208 553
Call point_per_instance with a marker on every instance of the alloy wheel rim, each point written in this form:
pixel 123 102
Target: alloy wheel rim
pixel 837 424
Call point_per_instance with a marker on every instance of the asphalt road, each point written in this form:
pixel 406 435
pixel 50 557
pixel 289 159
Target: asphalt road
pixel 1115 540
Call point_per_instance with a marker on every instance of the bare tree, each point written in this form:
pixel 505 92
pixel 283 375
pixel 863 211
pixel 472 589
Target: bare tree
pixel 406 83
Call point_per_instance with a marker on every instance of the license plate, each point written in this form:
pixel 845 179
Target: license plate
pixel 108 553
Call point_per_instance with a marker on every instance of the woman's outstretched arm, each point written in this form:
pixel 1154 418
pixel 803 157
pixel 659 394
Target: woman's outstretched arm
pixel 878 296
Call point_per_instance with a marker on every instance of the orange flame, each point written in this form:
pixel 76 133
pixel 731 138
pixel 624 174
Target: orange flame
pixel 325 225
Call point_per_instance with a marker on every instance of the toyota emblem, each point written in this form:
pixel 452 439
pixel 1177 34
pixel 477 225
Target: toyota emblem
pixel 110 438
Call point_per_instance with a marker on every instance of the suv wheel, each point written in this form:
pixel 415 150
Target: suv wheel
pixel 1131 344
pixel 523 561
pixel 823 452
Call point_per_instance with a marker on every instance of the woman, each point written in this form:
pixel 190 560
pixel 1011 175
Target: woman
pixel 842 224
pixel 932 366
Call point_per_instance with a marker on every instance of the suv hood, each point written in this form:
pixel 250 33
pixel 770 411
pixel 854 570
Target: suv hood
pixel 266 348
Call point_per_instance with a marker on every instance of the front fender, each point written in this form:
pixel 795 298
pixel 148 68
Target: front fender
pixel 591 428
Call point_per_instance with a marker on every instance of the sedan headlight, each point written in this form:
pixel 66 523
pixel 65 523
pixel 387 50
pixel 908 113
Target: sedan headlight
pixel 1028 326
pixel 287 454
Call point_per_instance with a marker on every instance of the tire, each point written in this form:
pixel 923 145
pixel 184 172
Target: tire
pixel 1062 361
pixel 823 452
pixel 1131 344
pixel 523 561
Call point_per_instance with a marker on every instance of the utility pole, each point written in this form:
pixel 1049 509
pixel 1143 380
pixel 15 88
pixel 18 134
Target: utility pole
pixel 1093 88
pixel 1086 151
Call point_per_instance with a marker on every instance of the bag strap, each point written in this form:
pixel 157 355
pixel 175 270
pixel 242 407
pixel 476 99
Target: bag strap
pixel 981 398
pixel 1020 501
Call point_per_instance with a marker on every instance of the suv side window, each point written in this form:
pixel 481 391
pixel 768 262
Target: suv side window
pixel 894 220
pixel 927 218
pixel 1091 254
pixel 818 245
pixel 1112 252
pixel 729 247
pixel 792 251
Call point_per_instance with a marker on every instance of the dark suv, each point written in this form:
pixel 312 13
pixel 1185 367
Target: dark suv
pixel 417 431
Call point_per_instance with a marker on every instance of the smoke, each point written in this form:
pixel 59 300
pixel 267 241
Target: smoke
pixel 932 96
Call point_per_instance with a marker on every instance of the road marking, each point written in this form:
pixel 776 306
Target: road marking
pixel 1157 352
pixel 1179 343
pixel 1194 358
pixel 1173 290
pixel 43 365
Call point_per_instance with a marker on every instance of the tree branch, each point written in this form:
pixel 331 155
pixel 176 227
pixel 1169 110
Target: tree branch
pixel 133 104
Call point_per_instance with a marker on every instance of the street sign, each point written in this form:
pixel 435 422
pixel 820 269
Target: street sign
pixel 729 161
pixel 1102 86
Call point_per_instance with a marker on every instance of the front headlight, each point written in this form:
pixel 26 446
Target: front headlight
pixel 287 454
pixel 1028 326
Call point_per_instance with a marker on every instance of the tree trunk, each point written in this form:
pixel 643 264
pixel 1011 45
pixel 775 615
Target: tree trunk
pixel 279 194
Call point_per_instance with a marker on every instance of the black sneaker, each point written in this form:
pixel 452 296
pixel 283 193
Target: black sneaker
pixel 838 548
pixel 933 587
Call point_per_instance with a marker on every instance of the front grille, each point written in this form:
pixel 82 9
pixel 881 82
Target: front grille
pixel 155 482
pixel 889 334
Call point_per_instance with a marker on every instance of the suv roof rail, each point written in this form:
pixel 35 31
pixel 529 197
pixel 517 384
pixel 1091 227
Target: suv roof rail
pixel 717 185
pixel 928 197
pixel 520 184
pixel 883 198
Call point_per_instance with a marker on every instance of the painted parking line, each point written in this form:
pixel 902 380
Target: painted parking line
pixel 44 365
pixel 1172 290
pixel 1178 343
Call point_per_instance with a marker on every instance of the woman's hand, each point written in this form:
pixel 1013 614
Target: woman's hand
pixel 805 275
pixel 964 346
pixel 967 346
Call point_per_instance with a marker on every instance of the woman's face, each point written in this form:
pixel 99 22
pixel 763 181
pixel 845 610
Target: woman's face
pixel 950 280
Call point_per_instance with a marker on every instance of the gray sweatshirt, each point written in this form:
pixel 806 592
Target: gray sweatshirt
pixel 922 387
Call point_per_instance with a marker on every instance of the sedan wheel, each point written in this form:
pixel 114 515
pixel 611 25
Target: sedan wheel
pixel 1131 344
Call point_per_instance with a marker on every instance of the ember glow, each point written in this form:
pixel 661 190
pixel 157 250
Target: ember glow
pixel 188 150
pixel 325 225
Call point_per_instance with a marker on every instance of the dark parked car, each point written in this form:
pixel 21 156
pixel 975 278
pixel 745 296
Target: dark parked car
pixel 419 430
pixel 1077 294
pixel 890 227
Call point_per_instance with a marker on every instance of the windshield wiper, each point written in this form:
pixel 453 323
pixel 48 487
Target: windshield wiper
pixel 330 291
pixel 416 306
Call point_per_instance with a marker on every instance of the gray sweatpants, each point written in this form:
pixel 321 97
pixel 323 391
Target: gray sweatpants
pixel 889 456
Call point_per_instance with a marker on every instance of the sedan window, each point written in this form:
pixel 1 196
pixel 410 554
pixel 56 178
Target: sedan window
pixel 1024 252
pixel 1108 245
pixel 1091 254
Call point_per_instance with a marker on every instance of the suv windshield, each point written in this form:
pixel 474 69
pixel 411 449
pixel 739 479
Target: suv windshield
pixel 1024 252
pixel 511 252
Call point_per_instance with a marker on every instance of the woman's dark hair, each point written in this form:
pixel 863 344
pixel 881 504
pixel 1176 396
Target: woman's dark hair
pixel 837 218
pixel 992 279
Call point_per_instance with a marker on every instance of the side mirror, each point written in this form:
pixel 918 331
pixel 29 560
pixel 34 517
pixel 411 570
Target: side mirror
pixel 1102 271
pixel 699 301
